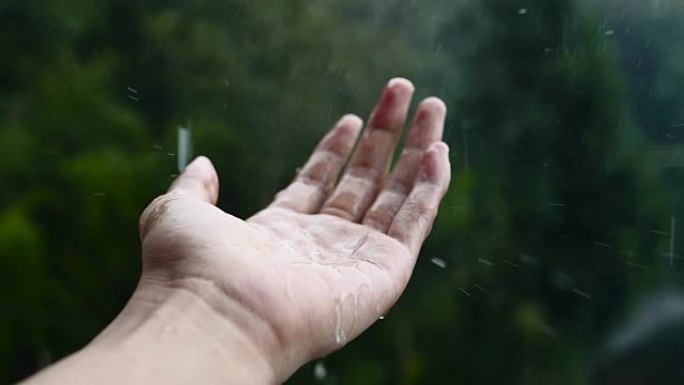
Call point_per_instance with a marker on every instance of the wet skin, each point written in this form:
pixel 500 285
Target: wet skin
pixel 326 259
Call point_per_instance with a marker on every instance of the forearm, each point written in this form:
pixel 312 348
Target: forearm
pixel 228 301
pixel 178 341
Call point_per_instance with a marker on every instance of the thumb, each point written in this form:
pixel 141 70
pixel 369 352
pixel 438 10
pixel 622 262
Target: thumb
pixel 199 180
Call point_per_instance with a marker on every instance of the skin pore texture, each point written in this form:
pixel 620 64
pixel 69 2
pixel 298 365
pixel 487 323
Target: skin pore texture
pixel 222 300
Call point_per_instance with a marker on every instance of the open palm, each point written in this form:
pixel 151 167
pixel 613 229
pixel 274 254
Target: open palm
pixel 331 254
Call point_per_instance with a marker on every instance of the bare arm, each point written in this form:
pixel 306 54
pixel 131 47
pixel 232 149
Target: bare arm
pixel 224 300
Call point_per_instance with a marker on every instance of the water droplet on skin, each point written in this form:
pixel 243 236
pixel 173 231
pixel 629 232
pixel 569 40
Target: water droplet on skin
pixel 340 334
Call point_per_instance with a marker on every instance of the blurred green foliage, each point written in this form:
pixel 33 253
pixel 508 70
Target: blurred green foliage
pixel 563 121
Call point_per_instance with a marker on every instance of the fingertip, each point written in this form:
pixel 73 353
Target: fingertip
pixel 350 123
pixel 200 161
pixel 204 167
pixel 439 148
pixel 401 83
pixel 435 165
pixel 434 105
pixel 390 112
pixel 199 178
pixel 342 137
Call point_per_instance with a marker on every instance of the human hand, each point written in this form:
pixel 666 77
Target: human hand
pixel 325 260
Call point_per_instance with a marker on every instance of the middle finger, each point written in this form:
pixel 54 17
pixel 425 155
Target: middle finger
pixel 369 165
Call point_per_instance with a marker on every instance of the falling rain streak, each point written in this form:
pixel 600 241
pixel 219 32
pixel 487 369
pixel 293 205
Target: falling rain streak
pixel 320 371
pixel 673 228
pixel 565 123
pixel 438 262
pixel 582 294
pixel 133 94
pixel 184 146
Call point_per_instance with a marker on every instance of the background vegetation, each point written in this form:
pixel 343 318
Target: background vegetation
pixel 566 117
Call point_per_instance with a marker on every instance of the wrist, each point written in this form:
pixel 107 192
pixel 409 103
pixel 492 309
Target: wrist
pixel 187 333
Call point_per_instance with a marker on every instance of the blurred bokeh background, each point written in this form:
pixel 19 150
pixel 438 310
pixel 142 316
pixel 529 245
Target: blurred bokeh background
pixel 567 133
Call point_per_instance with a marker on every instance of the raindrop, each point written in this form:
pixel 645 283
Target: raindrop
pixel 512 264
pixel 603 244
pixel 673 227
pixel 638 266
pixel 439 262
pixel 582 294
pixel 659 233
pixel 320 372
pixel 522 11
pixel 184 146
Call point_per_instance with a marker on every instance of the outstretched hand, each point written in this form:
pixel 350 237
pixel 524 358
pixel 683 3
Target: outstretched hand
pixel 326 259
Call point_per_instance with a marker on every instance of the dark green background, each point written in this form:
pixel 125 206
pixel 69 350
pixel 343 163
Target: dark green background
pixel 566 124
